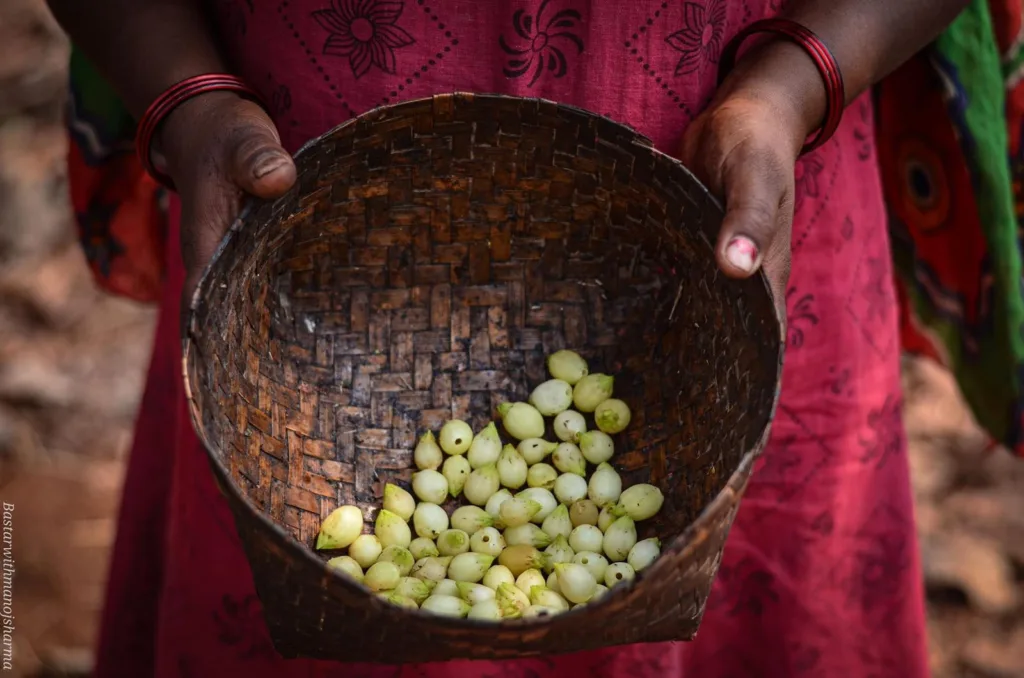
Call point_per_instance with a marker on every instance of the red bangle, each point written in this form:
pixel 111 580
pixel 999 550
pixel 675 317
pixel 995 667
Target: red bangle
pixel 835 91
pixel 173 97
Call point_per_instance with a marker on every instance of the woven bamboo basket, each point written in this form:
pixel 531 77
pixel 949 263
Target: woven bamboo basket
pixel 430 257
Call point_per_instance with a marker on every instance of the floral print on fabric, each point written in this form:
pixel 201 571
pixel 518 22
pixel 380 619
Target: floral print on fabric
pixel 366 32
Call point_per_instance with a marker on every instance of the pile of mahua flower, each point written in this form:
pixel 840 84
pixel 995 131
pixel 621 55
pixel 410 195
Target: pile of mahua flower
pixel 536 536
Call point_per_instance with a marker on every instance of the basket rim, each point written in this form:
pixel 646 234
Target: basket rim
pixel 682 544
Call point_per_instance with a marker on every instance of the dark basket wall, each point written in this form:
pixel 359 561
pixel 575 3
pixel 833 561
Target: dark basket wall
pixel 431 256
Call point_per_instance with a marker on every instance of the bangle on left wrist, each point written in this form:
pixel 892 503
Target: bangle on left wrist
pixel 795 69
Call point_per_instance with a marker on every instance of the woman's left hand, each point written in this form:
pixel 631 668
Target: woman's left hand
pixel 744 148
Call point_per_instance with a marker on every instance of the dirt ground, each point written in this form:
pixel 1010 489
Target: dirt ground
pixel 72 362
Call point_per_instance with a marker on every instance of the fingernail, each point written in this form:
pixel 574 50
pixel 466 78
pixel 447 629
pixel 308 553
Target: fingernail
pixel 268 164
pixel 742 253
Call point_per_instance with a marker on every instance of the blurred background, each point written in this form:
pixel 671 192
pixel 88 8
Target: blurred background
pixel 72 363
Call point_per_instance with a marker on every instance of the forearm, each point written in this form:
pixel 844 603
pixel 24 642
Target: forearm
pixel 871 38
pixel 868 38
pixel 142 47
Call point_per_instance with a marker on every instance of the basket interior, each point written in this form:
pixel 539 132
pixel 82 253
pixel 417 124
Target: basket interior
pixel 431 257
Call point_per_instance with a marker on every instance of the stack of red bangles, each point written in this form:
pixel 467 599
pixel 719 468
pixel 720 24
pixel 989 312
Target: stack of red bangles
pixel 835 90
pixel 173 97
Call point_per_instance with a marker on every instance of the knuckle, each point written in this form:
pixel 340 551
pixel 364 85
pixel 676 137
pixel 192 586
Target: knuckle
pixel 756 216
pixel 245 141
pixel 244 130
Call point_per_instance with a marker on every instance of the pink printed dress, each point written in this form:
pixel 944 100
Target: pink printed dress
pixel 820 576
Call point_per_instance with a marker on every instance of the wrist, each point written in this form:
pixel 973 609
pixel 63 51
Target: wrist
pixel 779 74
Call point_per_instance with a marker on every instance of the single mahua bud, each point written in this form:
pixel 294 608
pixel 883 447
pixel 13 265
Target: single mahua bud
pixel 496 575
pixel 469 567
pixel 552 397
pixel 543 596
pixel 570 488
pixel 453 542
pixel 482 484
pixel 415 589
pixel 567 458
pixel 612 416
pixel 534 450
pixel 446 606
pixel 528 579
pixel 542 475
pixel 619 539
pixel 422 547
pixel 399 502
pixel 392 530
pixel 595 562
pixel 434 569
pixel 605 486
pixel 586 538
pixel 471 519
pixel 485 448
pixel 520 558
pixel 511 600
pixel 639 502
pixel 346 565
pixel 474 593
pixel 518 511
pixel 446 587
pixel 569 426
pixel 512 468
pixel 521 420
pixel 487 541
pixel 597 446
pixel 591 391
pixel 527 535
pixel 365 550
pixel 486 610
pixel 455 470
pixel 427 455
pixel 382 576
pixel 543 497
pixel 340 528
pixel 430 486
pixel 455 437
pixel 429 520
pixel 644 553
pixel 569 366
pixel 558 524
pixel 618 573
pixel 557 552
pixel 575 582
pixel 493 505
pixel 583 512
pixel 401 557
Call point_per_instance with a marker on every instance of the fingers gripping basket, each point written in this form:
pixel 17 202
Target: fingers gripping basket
pixel 430 257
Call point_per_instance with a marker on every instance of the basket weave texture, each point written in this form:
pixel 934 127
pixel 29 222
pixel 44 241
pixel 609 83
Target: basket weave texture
pixel 430 257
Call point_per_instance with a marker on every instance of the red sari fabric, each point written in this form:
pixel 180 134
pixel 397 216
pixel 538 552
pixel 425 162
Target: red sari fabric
pixel 820 575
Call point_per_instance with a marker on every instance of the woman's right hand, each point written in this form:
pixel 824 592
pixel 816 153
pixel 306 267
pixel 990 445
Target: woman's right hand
pixel 219 147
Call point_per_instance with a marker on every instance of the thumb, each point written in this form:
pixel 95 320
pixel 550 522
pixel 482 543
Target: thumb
pixel 256 161
pixel 250 161
pixel 755 188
